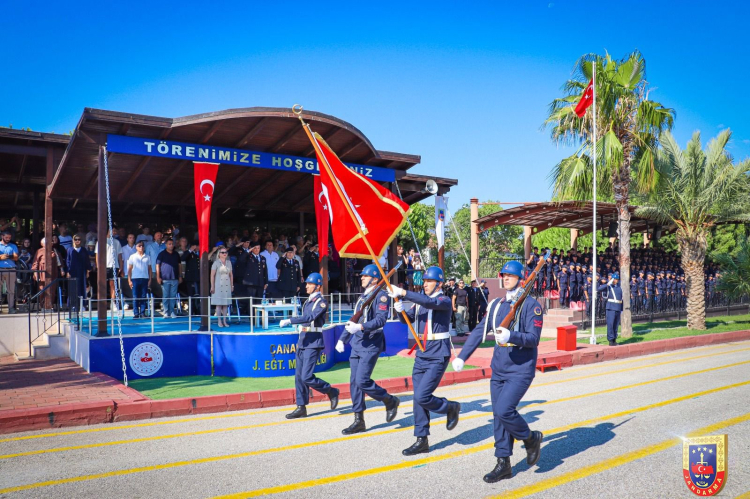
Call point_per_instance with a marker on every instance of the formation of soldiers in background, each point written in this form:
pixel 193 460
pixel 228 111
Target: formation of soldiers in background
pixel 657 281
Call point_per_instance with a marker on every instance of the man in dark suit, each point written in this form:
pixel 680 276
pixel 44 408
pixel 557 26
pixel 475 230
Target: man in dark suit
pixel 290 274
pixel 311 261
pixel 255 277
pixel 78 263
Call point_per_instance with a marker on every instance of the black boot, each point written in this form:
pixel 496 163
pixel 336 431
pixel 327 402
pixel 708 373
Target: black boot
pixel 454 409
pixel 391 408
pixel 421 446
pixel 613 343
pixel 533 446
pixel 334 396
pixel 358 426
pixel 299 412
pixel 502 471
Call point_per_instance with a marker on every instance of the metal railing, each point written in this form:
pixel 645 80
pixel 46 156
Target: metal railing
pixel 48 306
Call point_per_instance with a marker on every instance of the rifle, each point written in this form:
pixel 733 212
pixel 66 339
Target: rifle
pixel 527 285
pixel 380 285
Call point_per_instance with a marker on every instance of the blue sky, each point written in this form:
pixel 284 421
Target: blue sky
pixel 466 86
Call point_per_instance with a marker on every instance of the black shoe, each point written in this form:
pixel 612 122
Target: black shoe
pixel 533 446
pixel 502 471
pixel 454 409
pixel 299 412
pixel 391 408
pixel 613 343
pixel 334 397
pixel 421 446
pixel 358 426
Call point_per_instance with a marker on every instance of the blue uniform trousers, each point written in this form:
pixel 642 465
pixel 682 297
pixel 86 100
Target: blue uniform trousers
pixel 360 381
pixel 613 323
pixel 304 378
pixel 506 392
pixel 426 376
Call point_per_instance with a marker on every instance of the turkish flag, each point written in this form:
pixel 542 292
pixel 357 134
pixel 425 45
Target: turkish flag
pixel 323 215
pixel 586 100
pixel 204 177
pixel 378 212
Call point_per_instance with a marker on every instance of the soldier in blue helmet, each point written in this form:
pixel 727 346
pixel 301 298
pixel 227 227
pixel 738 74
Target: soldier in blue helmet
pixel 431 317
pixel 513 369
pixel 368 342
pixel 613 306
pixel 309 347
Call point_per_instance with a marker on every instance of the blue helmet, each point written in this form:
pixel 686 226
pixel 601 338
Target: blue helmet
pixel 315 278
pixel 615 275
pixel 371 270
pixel 433 274
pixel 513 268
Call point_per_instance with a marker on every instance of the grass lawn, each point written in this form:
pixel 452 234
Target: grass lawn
pixel 650 331
pixel 198 386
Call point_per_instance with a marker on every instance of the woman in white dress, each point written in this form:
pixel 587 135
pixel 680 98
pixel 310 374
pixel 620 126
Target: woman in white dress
pixel 222 286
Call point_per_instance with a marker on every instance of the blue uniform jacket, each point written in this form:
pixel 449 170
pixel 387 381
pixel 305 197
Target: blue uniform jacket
pixel 256 271
pixel 78 263
pixel 313 314
pixel 525 333
pixel 614 292
pixel 442 309
pixel 562 278
pixel 371 338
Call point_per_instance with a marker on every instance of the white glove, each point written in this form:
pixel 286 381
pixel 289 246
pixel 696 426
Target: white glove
pixel 396 292
pixel 502 335
pixel 398 306
pixel 284 323
pixel 610 282
pixel 353 328
pixel 511 296
pixel 458 364
pixel 340 346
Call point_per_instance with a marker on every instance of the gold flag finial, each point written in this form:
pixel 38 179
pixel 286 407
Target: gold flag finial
pixel 297 109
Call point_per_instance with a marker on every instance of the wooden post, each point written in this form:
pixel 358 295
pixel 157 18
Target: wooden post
pixel 526 243
pixel 474 213
pixel 51 272
pixel 102 290
pixel 573 238
pixel 35 222
pixel 324 272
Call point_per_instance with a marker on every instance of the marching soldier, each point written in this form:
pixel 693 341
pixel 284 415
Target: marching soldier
pixel 368 342
pixel 309 347
pixel 290 274
pixel 513 369
pixel 255 278
pixel 431 315
pixel 614 306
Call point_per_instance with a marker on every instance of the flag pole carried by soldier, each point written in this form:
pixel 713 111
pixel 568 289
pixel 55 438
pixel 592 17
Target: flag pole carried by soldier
pixel 516 322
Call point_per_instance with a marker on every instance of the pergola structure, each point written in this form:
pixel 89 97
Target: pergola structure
pixel 159 187
pixel 536 217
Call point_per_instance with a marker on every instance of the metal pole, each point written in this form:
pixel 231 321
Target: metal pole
pixel 190 313
pixel 208 312
pixel 152 313
pixel 594 290
pixel 90 326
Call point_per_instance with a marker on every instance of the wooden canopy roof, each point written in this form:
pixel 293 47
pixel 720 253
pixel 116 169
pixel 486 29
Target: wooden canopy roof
pixel 565 214
pixel 145 183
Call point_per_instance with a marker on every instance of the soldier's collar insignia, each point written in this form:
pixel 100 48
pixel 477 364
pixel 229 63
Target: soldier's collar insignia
pixel 704 464
pixel 538 310
pixel 383 299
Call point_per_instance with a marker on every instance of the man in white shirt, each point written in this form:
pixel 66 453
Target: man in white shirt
pixel 139 279
pixel 273 274
pixel 114 264
pixel 65 239
pixel 129 248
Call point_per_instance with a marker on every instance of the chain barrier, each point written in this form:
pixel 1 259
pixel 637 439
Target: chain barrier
pixel 118 291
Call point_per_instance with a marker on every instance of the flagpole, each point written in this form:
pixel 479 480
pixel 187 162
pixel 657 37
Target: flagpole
pixel 595 282
pixel 324 164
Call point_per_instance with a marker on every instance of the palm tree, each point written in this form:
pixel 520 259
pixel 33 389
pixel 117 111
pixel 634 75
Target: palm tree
pixel 697 190
pixel 735 272
pixel 629 126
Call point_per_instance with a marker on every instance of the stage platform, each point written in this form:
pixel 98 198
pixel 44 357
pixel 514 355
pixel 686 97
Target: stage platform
pixel 176 347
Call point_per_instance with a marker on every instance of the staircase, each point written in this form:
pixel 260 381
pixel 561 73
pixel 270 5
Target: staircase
pixel 48 345
pixel 555 317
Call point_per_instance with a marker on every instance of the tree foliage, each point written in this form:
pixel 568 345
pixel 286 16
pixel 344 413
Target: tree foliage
pixel 735 272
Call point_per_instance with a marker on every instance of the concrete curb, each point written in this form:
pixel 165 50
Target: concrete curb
pixel 140 407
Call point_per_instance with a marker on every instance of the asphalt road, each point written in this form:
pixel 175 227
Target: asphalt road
pixel 611 430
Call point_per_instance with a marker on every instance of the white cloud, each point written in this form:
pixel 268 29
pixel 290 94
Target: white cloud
pixel 721 125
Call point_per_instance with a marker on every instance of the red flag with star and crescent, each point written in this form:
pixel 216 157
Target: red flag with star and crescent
pixel 586 100
pixel 378 211
pixel 323 216
pixel 204 178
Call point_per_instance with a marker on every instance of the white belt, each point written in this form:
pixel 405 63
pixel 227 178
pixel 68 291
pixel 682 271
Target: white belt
pixel 309 329
pixel 437 336
pixel 614 301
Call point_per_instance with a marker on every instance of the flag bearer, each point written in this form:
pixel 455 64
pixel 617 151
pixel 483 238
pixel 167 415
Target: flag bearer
pixel 614 306
pixel 513 369
pixel 368 342
pixel 431 316
pixel 309 347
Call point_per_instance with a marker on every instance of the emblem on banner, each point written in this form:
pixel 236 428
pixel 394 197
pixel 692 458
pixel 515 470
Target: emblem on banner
pixel 146 359
pixel 441 215
pixel 704 462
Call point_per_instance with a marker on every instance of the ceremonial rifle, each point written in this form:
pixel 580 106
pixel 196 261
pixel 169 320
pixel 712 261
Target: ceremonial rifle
pixel 527 285
pixel 380 285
